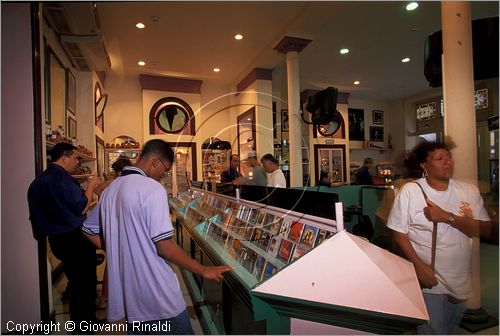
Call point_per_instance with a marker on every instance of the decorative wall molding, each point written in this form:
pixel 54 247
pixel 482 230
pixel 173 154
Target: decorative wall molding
pixel 170 84
pixel 289 43
pixel 257 73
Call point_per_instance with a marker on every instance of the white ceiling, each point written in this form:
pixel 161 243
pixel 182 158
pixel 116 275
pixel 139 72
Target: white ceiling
pixel 191 38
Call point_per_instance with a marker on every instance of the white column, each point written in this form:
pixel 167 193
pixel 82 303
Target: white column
pixel 460 114
pixel 294 119
pixel 458 87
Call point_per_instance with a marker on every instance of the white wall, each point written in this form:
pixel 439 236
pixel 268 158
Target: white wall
pixel 84 113
pixel 211 112
pixel 258 95
pixel 123 113
pixel 20 287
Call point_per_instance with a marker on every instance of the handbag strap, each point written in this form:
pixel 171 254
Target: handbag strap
pixel 434 232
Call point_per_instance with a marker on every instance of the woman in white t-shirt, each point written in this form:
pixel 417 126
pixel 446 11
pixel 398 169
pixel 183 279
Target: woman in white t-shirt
pixel 275 176
pixel 458 209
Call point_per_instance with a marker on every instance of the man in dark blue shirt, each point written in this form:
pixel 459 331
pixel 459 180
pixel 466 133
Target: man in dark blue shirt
pixel 57 208
pixel 363 175
pixel 231 175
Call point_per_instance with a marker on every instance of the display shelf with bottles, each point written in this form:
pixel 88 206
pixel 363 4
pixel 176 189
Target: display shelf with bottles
pixel 84 155
pixel 214 162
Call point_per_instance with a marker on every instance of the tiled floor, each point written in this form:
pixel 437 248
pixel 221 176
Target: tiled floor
pixel 62 308
pixel 489 291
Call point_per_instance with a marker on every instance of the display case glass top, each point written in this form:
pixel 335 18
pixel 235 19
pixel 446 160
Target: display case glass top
pixel 258 241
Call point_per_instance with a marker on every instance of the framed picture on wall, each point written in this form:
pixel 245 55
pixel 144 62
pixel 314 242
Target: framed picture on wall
pixel 71 91
pixel 376 134
pixel 356 124
pixel 71 127
pixel 378 117
pixel 284 120
pixel 99 150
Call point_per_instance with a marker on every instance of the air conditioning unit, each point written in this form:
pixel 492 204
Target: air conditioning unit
pixel 78 27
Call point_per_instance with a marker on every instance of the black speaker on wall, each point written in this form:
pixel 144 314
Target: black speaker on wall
pixel 485 52
pixel 323 106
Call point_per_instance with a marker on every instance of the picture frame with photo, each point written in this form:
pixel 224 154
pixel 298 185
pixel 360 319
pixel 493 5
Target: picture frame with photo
pixel 376 134
pixel 70 91
pixel 284 121
pixel 378 117
pixel 72 133
pixel 356 119
pixel 100 157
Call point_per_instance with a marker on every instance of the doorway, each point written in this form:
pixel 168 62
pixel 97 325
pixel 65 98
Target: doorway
pixel 184 169
pixel 330 158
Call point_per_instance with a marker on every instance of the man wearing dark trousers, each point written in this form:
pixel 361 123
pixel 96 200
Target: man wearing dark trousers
pixel 57 206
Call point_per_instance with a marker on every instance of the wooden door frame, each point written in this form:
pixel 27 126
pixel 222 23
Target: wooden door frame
pixel 316 160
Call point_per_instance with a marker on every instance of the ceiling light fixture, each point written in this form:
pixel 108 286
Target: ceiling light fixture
pixel 141 63
pixel 405 60
pixel 238 37
pixel 140 25
pixel 216 69
pixel 412 6
pixel 344 51
pixel 356 82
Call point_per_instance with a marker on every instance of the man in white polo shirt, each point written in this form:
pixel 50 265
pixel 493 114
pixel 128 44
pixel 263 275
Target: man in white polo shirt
pixel 133 219
pixel 275 176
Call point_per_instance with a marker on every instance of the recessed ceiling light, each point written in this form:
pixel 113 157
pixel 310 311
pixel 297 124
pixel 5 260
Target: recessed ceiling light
pixel 412 6
pixel 140 25
pixel 356 82
pixel 238 37
pixel 405 60
pixel 249 119
pixel 216 69
pixel 141 63
pixel 344 51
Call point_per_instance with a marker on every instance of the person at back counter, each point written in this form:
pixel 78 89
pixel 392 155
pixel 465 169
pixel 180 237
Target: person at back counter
pixel 231 174
pixel 324 179
pixel 363 175
pixel 275 176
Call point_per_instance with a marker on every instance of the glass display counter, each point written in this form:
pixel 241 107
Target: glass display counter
pixel 259 242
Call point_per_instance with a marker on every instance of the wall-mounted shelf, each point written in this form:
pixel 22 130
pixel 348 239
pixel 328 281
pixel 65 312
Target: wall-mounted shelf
pixel 82 177
pixel 371 149
pixel 83 157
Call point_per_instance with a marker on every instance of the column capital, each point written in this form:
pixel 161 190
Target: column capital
pixel 289 43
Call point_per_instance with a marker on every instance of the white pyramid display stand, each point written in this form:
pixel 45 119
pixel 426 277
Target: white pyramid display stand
pixel 347 282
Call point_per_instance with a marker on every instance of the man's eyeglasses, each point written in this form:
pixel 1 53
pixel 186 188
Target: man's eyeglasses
pixel 164 166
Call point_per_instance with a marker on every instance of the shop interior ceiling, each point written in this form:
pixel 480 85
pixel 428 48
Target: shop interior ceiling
pixel 190 39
